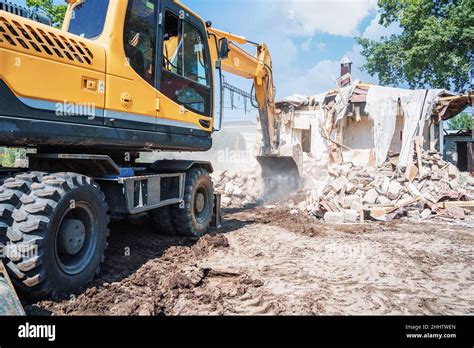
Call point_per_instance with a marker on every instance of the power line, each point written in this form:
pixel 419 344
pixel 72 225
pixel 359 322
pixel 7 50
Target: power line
pixel 240 92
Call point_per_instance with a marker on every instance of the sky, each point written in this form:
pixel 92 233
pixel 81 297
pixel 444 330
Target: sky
pixel 307 38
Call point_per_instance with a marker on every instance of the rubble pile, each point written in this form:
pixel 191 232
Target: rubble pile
pixel 238 189
pixel 354 193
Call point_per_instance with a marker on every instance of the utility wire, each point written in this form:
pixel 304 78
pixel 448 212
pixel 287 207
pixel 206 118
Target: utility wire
pixel 240 92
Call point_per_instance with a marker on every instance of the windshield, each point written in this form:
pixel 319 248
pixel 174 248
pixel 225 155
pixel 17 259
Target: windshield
pixel 88 18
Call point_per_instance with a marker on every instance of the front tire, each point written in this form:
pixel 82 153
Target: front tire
pixel 58 237
pixel 11 191
pixel 194 216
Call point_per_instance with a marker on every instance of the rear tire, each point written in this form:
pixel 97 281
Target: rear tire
pixel 194 216
pixel 58 237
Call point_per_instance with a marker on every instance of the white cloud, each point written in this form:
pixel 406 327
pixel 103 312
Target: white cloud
pixel 375 31
pixel 316 80
pixel 294 43
pixel 321 46
pixel 322 76
pixel 336 17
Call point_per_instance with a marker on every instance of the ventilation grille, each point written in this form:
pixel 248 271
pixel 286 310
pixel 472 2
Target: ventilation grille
pixel 43 41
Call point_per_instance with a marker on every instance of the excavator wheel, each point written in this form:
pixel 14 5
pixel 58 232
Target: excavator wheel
pixel 162 222
pixel 58 236
pixel 193 217
pixel 11 191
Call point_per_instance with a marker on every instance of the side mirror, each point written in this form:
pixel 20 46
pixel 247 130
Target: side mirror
pixel 224 48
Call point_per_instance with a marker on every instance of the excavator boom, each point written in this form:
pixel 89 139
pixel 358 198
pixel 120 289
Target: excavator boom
pixel 259 68
pixel 280 164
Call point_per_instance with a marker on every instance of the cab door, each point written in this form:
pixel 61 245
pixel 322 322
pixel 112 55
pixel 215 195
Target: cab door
pixel 185 78
pixel 131 87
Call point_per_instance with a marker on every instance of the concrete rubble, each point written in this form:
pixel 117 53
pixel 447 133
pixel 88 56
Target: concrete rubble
pixel 347 193
pixel 238 189
pixel 355 193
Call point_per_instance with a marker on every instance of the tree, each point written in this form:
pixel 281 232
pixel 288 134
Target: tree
pixel 54 12
pixel 435 48
pixel 463 121
pixel 8 156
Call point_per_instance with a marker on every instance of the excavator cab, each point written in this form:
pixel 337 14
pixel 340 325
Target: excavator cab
pixel 161 48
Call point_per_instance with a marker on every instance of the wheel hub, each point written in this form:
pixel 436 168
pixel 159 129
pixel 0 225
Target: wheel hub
pixel 72 235
pixel 200 202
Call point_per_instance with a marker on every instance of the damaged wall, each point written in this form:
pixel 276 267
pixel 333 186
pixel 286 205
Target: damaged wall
pixel 358 134
pixel 365 122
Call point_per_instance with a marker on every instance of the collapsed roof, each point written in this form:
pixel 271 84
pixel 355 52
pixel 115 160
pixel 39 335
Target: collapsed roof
pixel 448 104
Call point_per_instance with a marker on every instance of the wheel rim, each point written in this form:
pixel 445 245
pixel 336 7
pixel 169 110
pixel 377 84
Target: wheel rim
pixel 201 204
pixel 76 238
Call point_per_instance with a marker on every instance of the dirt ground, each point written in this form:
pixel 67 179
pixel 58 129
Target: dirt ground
pixel 266 261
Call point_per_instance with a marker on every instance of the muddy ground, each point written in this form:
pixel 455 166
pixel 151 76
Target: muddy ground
pixel 266 261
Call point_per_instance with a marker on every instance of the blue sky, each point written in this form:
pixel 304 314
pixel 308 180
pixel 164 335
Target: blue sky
pixel 307 38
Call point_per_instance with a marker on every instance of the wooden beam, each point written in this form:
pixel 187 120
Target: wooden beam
pixel 418 155
pixel 459 204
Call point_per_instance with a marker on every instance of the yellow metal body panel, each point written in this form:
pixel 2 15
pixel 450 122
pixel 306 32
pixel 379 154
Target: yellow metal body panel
pixel 41 62
pixel 58 66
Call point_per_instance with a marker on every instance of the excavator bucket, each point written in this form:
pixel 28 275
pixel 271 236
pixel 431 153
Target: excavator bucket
pixel 9 303
pixel 281 176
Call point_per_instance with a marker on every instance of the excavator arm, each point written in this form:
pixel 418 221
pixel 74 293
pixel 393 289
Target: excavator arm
pixel 259 68
pixel 281 163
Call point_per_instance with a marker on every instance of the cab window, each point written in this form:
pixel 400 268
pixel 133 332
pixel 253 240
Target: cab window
pixel 140 37
pixel 81 23
pixel 185 74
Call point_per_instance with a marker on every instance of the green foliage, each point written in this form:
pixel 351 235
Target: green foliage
pixel 55 12
pixel 435 48
pixel 8 156
pixel 463 121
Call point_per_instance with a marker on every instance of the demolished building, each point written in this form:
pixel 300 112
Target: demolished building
pixel 365 124
pixel 383 149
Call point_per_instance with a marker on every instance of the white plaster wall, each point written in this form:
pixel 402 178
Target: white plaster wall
pixel 358 135
pixel 396 144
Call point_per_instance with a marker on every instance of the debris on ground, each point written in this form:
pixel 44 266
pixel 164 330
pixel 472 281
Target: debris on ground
pixel 238 189
pixel 355 193
pixel 348 193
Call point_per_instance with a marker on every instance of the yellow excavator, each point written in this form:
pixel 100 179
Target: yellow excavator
pixel 121 77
